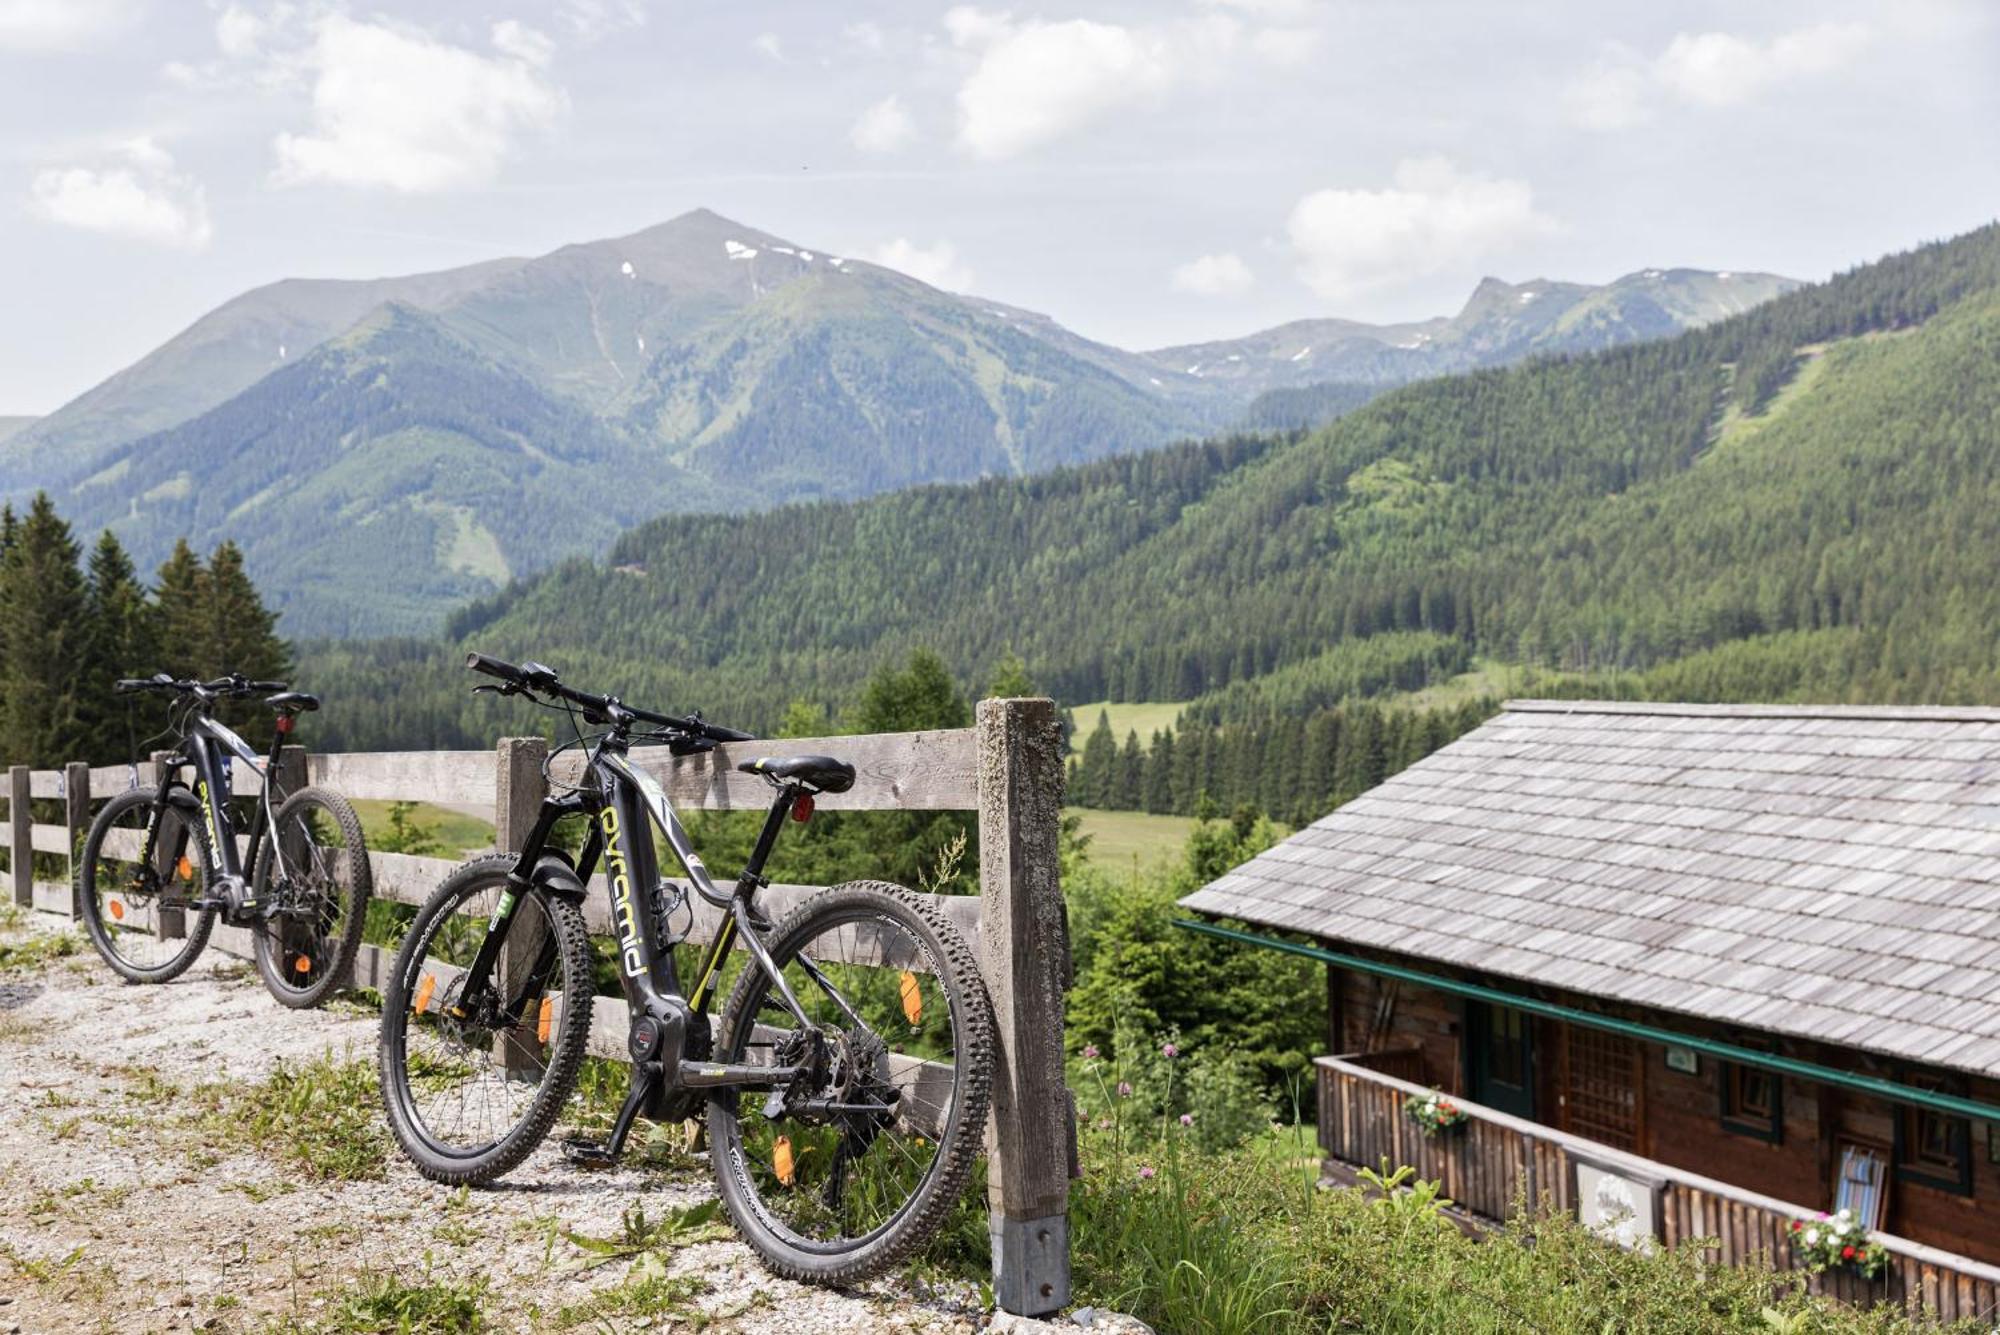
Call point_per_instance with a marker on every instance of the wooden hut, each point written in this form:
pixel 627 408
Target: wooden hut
pixel 1704 969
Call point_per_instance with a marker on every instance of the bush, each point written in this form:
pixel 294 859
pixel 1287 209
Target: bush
pixel 1215 1244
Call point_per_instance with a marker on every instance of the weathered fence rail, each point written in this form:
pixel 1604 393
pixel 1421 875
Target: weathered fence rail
pixel 1007 768
pixel 1495 1160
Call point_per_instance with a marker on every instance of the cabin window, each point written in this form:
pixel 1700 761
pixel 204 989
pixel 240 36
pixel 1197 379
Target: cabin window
pixel 1933 1149
pixel 1753 1102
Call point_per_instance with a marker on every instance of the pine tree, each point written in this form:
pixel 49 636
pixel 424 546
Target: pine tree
pixel 181 616
pixel 241 629
pixel 1010 679
pixel 118 643
pixel 1097 778
pixel 1131 775
pixel 42 624
pixel 1160 774
pixel 921 696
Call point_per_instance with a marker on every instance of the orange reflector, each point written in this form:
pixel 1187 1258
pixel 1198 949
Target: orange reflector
pixel 913 998
pixel 424 990
pixel 117 910
pixel 184 869
pixel 548 1015
pixel 303 964
pixel 781 1159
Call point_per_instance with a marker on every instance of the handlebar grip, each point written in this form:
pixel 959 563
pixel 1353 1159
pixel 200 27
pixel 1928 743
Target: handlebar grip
pixel 127 685
pixel 270 686
pixel 493 667
pixel 721 734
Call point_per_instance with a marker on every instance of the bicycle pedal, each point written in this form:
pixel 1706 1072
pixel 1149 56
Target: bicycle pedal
pixel 588 1154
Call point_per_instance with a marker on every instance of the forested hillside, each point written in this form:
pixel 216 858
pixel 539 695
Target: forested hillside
pixel 386 449
pixel 1777 506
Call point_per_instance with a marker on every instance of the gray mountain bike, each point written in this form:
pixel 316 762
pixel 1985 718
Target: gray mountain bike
pixel 845 1084
pixel 163 864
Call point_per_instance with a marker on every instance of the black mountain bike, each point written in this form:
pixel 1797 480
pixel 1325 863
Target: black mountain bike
pixel 846 1081
pixel 162 863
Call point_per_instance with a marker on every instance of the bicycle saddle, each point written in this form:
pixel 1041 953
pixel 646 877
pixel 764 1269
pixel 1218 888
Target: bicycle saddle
pixel 820 772
pixel 292 702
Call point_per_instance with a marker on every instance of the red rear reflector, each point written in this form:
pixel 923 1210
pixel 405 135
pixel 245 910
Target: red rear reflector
pixel 802 810
pixel 284 723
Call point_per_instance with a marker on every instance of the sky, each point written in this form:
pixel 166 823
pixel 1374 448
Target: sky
pixel 1147 173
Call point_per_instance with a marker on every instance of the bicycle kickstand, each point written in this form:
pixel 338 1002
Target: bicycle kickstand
pixel 590 1154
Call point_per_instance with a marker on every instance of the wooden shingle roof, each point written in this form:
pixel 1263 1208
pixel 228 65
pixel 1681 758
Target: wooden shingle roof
pixel 1827 873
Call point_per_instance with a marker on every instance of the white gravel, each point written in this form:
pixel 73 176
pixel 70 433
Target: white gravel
pixel 171 1227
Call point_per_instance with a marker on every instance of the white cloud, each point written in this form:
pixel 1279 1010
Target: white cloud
pixel 60 25
pixel 591 21
pixel 1037 82
pixel 766 44
pixel 937 265
pixel 395 108
pixel 1431 218
pixel 868 36
pixel 514 38
pixel 139 195
pixel 1710 69
pixel 1223 275
pixel 1613 94
pixel 884 127
pixel 1719 69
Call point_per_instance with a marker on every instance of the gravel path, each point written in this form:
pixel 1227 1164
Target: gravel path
pixel 123 1208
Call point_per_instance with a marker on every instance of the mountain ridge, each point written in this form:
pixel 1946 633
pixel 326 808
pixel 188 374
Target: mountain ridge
pixel 733 368
pixel 1771 507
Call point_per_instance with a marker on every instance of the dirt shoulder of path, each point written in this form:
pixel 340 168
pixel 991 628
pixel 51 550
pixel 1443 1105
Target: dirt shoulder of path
pixel 134 1195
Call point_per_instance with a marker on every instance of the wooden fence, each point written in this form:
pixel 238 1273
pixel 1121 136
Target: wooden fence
pixel 1495 1160
pixel 1007 768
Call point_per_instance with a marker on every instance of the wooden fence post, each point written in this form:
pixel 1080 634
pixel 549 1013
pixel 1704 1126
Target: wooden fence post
pixel 24 840
pixel 1024 950
pixel 76 810
pixel 517 798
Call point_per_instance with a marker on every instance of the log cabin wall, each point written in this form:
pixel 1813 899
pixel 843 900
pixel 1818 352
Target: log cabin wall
pixel 1680 1114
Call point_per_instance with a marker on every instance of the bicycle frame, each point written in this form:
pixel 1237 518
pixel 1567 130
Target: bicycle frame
pixel 207 746
pixel 625 804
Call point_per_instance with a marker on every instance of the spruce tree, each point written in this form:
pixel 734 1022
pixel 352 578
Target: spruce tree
pixel 1132 775
pixel 118 643
pixel 242 630
pixel 181 621
pixel 42 625
pixel 1099 777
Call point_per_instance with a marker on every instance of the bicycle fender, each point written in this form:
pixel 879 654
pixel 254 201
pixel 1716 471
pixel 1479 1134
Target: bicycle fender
pixel 556 876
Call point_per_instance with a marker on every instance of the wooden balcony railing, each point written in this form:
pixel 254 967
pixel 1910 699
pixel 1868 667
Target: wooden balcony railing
pixel 1495 1161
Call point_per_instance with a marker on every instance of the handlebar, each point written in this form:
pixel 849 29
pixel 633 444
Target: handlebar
pixel 539 678
pixel 234 684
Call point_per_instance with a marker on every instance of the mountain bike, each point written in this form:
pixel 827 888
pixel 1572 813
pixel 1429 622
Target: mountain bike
pixel 162 863
pixel 846 1080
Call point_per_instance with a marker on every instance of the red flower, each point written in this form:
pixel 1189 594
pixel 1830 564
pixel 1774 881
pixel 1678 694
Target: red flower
pixel 1798 1224
pixel 1847 1253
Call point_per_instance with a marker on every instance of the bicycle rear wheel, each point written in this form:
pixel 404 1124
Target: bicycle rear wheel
pixel 140 913
pixel 313 881
pixel 472 1084
pixel 857 1163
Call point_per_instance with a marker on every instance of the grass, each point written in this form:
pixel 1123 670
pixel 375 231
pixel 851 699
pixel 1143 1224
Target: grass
pixel 21 956
pixel 1144 716
pixel 1244 1242
pixel 1122 841
pixel 321 1119
pixel 451 833
pixel 384 1300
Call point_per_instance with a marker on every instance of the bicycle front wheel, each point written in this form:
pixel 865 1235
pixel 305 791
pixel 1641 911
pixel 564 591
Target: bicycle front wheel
pixel 472 1084
pixel 312 883
pixel 142 912
pixel 857 1162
